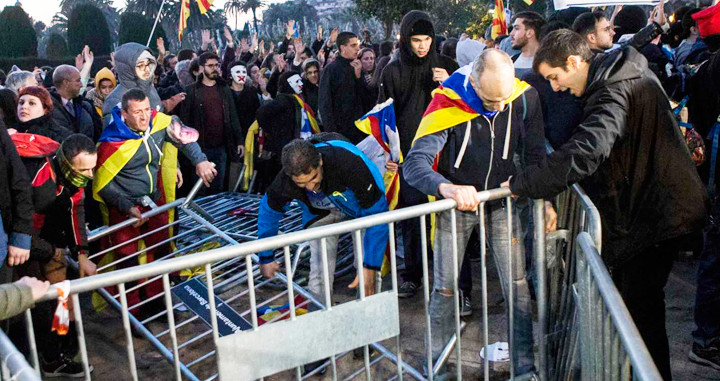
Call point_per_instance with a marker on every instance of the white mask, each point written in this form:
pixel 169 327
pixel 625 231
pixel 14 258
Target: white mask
pixel 296 83
pixel 238 74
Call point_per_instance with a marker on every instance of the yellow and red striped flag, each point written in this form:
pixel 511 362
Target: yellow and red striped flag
pixel 499 25
pixel 184 14
pixel 204 5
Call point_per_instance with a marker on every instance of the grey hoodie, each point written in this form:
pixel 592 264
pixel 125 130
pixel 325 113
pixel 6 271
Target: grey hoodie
pixel 125 59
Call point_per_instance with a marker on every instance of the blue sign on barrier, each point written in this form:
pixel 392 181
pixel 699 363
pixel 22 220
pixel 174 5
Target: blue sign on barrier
pixel 195 296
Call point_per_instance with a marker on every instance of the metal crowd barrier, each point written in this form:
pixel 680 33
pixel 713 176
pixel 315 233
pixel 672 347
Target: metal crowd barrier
pixel 13 363
pixel 611 348
pixel 256 350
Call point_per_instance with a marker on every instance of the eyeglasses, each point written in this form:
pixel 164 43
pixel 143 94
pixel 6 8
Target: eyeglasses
pixel 212 66
pixel 143 65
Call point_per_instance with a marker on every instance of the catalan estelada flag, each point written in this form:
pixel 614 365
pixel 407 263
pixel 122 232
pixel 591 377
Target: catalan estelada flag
pixel 380 123
pixel 455 101
pixel 499 25
pixel 116 146
pixel 184 14
pixel 308 122
pixel 205 5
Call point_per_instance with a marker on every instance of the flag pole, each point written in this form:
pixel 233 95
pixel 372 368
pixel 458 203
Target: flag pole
pixel 155 24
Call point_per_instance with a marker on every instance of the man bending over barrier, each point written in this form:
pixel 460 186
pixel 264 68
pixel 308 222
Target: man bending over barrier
pixel 475 124
pixel 334 181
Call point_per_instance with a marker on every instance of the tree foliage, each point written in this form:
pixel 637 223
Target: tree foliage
pixel 87 26
pixel 17 35
pixel 56 47
pixel 389 12
pixel 135 27
pixel 302 12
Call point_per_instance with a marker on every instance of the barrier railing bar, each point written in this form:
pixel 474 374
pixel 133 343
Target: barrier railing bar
pixel 128 333
pixel 426 295
pixel 510 300
pixel 358 247
pixel 171 326
pixel 542 294
pixel 77 312
pixel 326 291
pixel 103 231
pixel 14 362
pixel 456 291
pixel 249 248
pixel 483 280
pixel 31 340
pixel 393 274
pixel 643 364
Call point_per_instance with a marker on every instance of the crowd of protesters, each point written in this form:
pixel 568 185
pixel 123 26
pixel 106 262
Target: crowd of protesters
pixel 628 100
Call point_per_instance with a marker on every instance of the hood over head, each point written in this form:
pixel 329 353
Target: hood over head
pixel 414 23
pixel 104 74
pixel 126 57
pixel 618 65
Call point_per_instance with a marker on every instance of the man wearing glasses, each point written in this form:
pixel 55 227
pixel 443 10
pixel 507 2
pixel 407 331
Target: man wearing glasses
pixel 209 107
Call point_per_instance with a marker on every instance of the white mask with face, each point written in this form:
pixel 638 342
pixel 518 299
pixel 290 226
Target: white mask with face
pixel 238 74
pixel 296 83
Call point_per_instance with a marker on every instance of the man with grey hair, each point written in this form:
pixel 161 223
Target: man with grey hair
pixel 19 79
pixel 71 110
pixel 475 153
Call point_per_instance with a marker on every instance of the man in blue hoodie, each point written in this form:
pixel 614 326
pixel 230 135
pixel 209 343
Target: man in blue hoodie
pixel 317 175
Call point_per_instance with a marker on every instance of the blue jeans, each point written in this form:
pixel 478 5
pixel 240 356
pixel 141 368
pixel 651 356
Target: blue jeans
pixel 707 297
pixel 442 306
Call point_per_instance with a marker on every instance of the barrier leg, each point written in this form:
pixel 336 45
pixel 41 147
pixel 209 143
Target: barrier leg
pixel 128 333
pixel 426 297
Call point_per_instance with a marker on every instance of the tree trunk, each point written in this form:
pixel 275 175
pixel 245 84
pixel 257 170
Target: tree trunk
pixel 255 21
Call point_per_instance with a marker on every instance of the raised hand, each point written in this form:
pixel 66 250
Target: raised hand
pixel 206 38
pixel 228 35
pixel 290 28
pixel 333 36
pixel 160 43
pixel 254 42
pixel 319 33
pixel 244 46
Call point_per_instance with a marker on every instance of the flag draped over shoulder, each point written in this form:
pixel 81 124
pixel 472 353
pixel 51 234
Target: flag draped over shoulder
pixel 455 102
pixel 499 25
pixel 381 125
pixel 184 14
pixel 116 146
pixel 308 122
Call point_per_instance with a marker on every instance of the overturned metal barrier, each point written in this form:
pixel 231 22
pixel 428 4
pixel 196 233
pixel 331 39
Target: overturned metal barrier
pixel 13 363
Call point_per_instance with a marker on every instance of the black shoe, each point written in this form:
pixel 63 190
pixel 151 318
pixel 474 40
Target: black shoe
pixel 359 352
pixel 408 289
pixel 465 305
pixel 709 356
pixel 63 367
pixel 308 368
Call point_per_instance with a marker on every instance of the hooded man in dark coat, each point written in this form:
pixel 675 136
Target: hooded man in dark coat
pixel 135 66
pixel 631 159
pixel 409 79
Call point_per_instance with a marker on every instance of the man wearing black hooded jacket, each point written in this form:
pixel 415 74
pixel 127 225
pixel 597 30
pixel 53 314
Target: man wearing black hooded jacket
pixel 409 79
pixel 631 159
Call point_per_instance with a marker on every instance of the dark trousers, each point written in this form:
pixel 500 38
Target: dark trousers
pixel 641 282
pixel 707 297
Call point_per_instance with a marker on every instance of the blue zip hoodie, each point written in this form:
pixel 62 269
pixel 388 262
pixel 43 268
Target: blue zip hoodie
pixel 350 181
